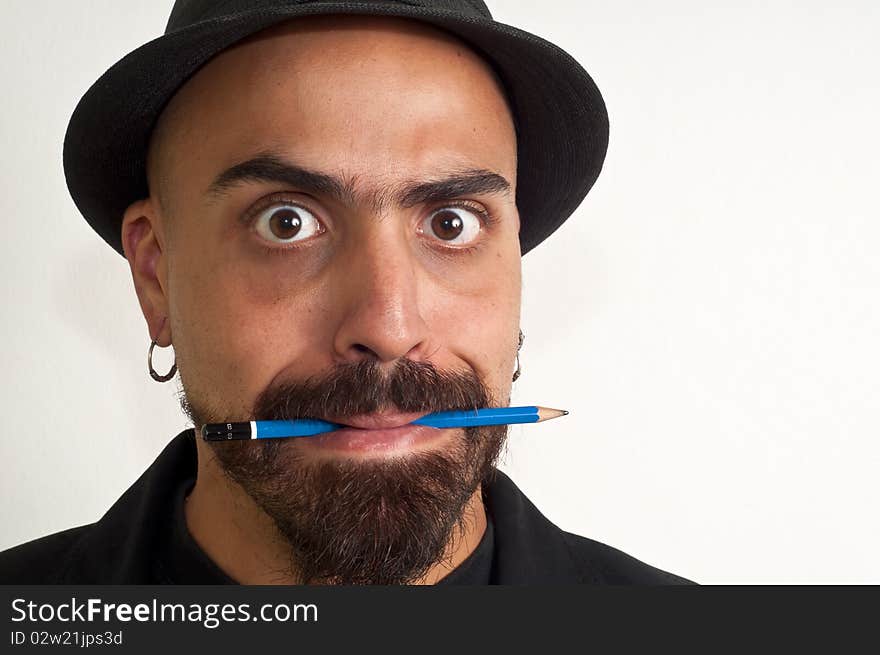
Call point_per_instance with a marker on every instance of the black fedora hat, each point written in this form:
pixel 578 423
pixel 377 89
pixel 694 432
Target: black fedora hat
pixel 562 125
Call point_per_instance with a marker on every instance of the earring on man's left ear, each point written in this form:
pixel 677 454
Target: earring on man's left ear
pixel 518 370
pixel 153 374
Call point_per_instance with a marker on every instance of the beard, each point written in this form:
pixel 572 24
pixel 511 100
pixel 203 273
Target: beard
pixel 385 520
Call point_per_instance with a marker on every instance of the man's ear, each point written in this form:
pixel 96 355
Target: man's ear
pixel 142 244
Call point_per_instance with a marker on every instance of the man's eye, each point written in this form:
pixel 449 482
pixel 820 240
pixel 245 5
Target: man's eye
pixel 285 223
pixel 455 225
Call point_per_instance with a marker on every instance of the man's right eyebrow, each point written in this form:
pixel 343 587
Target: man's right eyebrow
pixel 267 167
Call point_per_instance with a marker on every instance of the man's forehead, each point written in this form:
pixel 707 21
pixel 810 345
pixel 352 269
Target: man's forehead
pixel 359 32
pixel 429 124
pixel 335 45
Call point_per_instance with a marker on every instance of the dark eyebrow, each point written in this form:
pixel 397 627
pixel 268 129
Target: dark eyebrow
pixel 464 183
pixel 269 167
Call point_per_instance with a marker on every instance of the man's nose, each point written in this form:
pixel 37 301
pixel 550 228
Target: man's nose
pixel 379 293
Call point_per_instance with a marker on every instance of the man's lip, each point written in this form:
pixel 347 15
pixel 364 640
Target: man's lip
pixel 378 421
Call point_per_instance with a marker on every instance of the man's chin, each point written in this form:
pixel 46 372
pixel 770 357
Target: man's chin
pixel 374 517
pixel 359 520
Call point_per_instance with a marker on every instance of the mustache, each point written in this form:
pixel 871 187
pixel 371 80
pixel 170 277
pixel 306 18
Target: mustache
pixel 361 387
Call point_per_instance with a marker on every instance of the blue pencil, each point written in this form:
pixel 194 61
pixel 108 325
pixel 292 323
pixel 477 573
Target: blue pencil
pixel 308 427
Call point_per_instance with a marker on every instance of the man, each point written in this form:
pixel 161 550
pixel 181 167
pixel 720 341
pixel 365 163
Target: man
pixel 325 215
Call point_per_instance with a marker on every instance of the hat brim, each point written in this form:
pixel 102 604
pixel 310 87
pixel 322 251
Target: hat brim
pixel 562 123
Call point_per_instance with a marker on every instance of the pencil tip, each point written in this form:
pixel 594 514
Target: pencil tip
pixel 547 413
pixel 565 412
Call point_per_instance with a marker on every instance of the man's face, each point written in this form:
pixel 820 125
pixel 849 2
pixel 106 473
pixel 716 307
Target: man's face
pixel 291 295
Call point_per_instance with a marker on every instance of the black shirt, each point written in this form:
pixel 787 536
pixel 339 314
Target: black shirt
pixel 143 539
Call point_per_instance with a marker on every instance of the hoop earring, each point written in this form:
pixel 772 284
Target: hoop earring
pixel 518 370
pixel 153 374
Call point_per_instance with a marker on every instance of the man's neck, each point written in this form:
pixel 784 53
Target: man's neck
pixel 242 540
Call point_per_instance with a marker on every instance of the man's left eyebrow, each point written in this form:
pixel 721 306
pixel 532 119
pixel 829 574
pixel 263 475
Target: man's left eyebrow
pixel 268 167
pixel 470 182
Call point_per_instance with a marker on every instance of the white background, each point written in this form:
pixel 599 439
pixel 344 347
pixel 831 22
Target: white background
pixel 709 315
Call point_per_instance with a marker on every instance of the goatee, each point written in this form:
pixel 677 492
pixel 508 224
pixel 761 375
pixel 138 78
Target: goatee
pixel 384 520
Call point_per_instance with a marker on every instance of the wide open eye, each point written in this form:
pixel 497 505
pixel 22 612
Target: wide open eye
pixel 284 222
pixel 454 225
